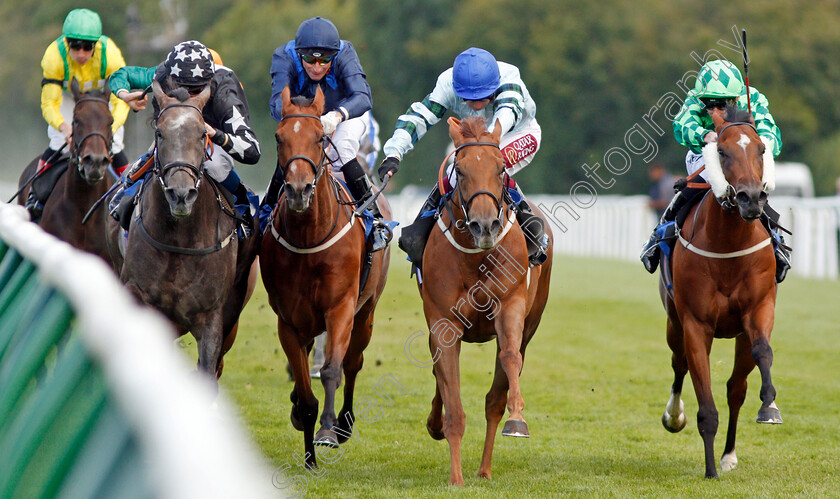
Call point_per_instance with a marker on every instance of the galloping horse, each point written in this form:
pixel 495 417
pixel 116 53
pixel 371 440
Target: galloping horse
pixel 724 284
pixel 313 267
pixel 182 255
pixel 87 179
pixel 476 286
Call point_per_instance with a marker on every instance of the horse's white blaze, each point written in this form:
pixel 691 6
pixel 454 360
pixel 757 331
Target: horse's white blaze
pixel 728 461
pixel 293 167
pixel 296 128
pixel 744 141
pixel 181 120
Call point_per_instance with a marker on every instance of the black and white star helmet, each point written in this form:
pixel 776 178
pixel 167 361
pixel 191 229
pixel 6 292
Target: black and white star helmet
pixel 190 64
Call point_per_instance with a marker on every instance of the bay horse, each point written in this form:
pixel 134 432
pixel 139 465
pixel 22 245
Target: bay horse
pixel 182 254
pixel 312 261
pixel 476 286
pixel 724 284
pixel 87 178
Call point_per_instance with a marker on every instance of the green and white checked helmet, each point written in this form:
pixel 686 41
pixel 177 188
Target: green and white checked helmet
pixel 719 79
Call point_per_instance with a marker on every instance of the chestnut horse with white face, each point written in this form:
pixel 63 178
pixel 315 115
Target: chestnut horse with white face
pixel 724 284
pixel 477 286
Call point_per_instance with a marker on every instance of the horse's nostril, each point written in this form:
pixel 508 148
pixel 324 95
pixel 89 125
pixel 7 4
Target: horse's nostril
pixel 475 227
pixel 495 226
pixel 307 189
pixel 191 196
pixel 762 197
pixel 742 198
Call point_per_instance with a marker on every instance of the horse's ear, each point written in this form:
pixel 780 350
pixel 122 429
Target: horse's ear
pixel 160 95
pixel 202 98
pixel 497 132
pixel 74 87
pixel 286 97
pixel 455 130
pixel 717 118
pixel 319 101
pixel 106 92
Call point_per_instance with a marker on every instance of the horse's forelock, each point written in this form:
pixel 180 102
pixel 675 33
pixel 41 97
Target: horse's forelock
pixel 473 127
pixel 735 115
pixel 302 101
pixel 180 93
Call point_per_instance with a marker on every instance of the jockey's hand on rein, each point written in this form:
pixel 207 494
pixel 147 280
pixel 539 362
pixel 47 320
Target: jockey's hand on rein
pixel 389 165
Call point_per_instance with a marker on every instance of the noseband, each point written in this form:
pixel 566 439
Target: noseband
pixel 317 168
pixel 196 172
pixel 465 205
pixel 76 147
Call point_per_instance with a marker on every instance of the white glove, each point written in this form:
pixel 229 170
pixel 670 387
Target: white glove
pixel 330 121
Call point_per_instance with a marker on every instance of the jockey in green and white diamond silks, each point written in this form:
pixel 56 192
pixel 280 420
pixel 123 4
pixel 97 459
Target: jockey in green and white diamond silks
pixel 475 85
pixel 719 83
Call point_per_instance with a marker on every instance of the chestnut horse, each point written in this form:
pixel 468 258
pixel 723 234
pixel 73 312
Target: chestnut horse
pixel 312 258
pixel 182 254
pixel 724 284
pixel 87 178
pixel 477 286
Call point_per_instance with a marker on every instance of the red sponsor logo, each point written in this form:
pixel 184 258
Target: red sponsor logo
pixel 519 149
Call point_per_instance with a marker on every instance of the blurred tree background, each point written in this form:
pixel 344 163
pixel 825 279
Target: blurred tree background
pixel 596 70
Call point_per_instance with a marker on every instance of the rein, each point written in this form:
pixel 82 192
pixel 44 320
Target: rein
pixel 76 147
pixel 465 206
pixel 318 169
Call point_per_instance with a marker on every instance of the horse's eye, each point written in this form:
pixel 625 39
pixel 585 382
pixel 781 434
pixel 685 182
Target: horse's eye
pixel 458 171
pixel 158 135
pixel 721 153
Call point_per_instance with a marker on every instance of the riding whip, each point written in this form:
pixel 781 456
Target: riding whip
pixel 33 177
pixel 372 199
pixel 746 69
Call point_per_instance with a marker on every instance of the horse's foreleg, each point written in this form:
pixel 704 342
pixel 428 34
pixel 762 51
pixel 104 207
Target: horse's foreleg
pixel 762 354
pixel 339 322
pixel 304 404
pixel 698 344
pixel 736 392
pixel 674 418
pixel 353 360
pixel 448 374
pixel 509 338
pixel 494 409
pixel 209 341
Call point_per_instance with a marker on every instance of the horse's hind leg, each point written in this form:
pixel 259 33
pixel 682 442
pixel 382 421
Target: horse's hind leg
pixel 353 361
pixel 494 409
pixel 509 338
pixel 736 392
pixel 339 324
pixel 674 417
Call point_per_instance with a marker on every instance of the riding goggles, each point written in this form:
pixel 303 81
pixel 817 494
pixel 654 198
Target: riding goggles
pixel 322 61
pixel 86 45
pixel 715 102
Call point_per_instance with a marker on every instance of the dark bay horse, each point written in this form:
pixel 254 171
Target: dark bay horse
pixel 724 284
pixel 182 254
pixel 477 286
pixel 87 178
pixel 312 259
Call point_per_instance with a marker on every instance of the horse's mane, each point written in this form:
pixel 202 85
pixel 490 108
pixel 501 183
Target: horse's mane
pixel 474 127
pixel 735 115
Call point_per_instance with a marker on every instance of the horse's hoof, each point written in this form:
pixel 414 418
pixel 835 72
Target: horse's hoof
pixel 728 461
pixel 326 437
pixel 295 420
pixel 674 425
pixel 515 428
pixel 436 433
pixel 769 414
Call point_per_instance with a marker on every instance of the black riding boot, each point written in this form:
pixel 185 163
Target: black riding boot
pixel 34 206
pixel 413 237
pixel 244 204
pixel 360 188
pixel 532 226
pixel 770 220
pixel 114 206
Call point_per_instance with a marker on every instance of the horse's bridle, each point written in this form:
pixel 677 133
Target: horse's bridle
pixel 465 205
pixel 196 172
pixel 76 146
pixel 317 168
pixel 728 202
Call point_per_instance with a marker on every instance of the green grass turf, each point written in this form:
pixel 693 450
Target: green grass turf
pixel 596 379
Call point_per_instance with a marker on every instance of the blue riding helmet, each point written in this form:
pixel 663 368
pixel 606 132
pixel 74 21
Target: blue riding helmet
pixel 475 74
pixel 317 37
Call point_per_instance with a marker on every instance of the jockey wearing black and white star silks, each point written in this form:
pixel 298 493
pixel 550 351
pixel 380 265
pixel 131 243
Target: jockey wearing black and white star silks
pixel 190 65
